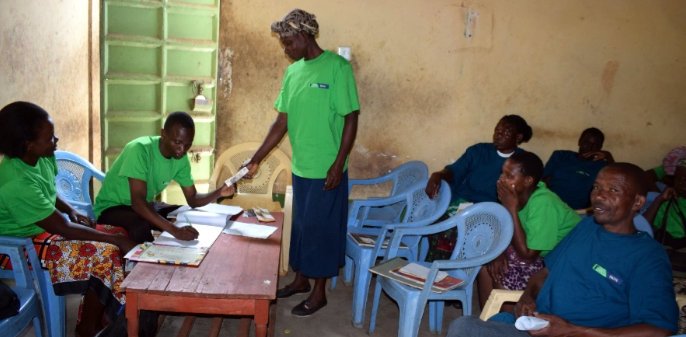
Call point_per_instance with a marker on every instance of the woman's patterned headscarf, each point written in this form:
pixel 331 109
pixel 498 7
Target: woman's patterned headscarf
pixel 296 21
pixel 671 160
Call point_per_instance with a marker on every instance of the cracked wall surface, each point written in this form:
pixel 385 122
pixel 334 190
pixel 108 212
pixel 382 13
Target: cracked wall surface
pixel 44 59
pixel 428 91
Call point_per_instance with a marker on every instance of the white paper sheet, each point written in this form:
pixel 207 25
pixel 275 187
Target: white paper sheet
pixel 421 271
pixel 211 208
pixel 220 209
pixel 202 218
pixel 249 230
pixel 207 235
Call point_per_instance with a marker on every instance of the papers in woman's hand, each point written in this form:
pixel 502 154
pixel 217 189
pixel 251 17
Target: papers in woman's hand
pixel 236 177
pixel 249 230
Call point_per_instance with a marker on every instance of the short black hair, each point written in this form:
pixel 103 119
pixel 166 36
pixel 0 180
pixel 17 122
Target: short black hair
pixel 531 165
pixel 181 118
pixel 19 123
pixel 634 174
pixel 521 125
pixel 595 132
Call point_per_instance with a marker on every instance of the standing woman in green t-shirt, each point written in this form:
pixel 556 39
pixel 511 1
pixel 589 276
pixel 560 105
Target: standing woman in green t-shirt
pixel 81 259
pixel 318 108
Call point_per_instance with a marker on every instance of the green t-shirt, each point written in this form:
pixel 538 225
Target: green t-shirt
pixel 660 172
pixel 317 95
pixel 27 195
pixel 141 159
pixel 675 227
pixel 546 219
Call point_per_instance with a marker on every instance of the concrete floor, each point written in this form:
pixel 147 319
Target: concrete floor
pixel 334 320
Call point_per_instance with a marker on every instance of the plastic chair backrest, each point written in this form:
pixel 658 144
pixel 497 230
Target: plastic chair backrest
pixel 401 177
pixel 73 180
pixel 259 190
pixel 25 287
pixel 484 231
pixel 408 174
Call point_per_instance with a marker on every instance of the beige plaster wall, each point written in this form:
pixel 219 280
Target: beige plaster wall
pixel 45 59
pixel 428 91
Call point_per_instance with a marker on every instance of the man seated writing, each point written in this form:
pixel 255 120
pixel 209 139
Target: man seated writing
pixel 143 169
pixel 603 279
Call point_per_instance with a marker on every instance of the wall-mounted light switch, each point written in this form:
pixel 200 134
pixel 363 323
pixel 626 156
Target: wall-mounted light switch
pixel 345 52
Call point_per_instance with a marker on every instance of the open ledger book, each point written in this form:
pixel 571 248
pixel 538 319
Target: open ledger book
pixel 182 256
pixel 414 275
pixel 208 220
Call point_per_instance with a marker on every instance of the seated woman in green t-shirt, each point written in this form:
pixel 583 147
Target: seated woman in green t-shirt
pixel 667 213
pixel 540 218
pixel 80 259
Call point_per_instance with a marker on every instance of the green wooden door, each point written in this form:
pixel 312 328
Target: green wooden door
pixel 154 55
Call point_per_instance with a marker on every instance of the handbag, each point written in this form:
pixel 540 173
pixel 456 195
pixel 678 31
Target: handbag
pixel 9 302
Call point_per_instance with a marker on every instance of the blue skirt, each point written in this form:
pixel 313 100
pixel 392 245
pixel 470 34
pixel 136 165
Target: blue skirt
pixel 319 227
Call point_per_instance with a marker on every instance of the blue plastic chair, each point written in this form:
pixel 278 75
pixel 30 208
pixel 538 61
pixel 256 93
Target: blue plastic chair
pixel 484 231
pixel 378 211
pixel 419 210
pixel 53 305
pixel 29 304
pixel 73 180
pixel 372 213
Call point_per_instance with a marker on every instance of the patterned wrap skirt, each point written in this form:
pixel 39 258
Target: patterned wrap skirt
pixel 76 266
pixel 519 270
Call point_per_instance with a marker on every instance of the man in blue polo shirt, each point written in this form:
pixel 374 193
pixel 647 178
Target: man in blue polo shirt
pixel 604 279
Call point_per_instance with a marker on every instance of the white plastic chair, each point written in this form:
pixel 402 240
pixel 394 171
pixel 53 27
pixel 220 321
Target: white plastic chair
pixel 258 191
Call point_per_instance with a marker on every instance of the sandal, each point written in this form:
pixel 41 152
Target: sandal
pixel 289 291
pixel 305 309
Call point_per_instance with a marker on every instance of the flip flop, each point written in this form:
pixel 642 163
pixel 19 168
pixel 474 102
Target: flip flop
pixel 305 309
pixel 288 291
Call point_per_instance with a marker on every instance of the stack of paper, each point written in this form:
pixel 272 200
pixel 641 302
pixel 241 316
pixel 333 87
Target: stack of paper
pixel 208 220
pixel 263 215
pixel 209 208
pixel 249 230
pixel 414 275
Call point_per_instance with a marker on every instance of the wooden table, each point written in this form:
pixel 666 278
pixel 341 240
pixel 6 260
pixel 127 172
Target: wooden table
pixel 237 277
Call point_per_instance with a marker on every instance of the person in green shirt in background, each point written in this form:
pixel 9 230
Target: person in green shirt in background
pixel 669 210
pixel 81 259
pixel 144 168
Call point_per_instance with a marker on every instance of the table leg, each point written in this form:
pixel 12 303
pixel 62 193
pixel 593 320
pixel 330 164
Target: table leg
pixel 186 326
pixel 216 326
pixel 244 327
pixel 132 314
pixel 261 317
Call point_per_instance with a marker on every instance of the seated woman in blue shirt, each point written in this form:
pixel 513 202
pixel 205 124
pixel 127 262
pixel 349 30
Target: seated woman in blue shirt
pixel 473 176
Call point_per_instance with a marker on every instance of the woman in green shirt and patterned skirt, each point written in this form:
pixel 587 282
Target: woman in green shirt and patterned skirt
pixel 81 259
